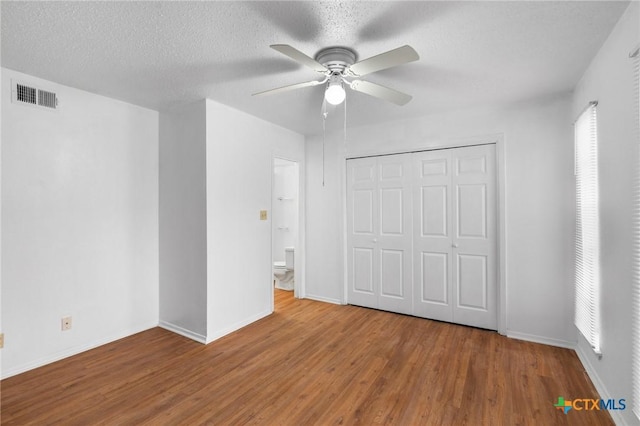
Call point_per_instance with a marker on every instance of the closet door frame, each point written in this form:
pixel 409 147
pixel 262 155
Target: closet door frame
pixel 498 140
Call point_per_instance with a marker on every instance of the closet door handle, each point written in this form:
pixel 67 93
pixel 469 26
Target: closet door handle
pixel 454 245
pixel 375 240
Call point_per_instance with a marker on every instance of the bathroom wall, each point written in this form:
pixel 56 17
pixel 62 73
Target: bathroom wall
pixel 284 206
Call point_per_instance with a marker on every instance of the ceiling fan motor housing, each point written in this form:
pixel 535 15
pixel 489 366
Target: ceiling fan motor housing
pixel 336 59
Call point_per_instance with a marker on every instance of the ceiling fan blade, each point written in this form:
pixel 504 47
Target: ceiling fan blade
pixel 381 92
pixel 299 57
pixel 389 59
pixel 288 88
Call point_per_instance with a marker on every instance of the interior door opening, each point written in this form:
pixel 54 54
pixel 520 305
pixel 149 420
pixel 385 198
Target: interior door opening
pixel 285 225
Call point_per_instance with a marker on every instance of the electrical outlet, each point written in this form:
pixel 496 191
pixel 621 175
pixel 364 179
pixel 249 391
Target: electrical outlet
pixel 1 340
pixel 66 323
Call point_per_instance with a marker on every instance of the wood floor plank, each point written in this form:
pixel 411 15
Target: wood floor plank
pixel 308 363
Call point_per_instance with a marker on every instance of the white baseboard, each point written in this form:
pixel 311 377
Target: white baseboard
pixel 599 384
pixel 323 299
pixel 238 325
pixel 541 339
pixel 75 350
pixel 183 332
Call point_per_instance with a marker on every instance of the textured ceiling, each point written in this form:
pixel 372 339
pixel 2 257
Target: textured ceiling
pixel 163 54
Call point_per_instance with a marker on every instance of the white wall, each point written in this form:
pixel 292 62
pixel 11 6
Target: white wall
pixel 539 204
pixel 216 166
pixel 240 151
pixel 609 80
pixel 183 221
pixel 80 224
pixel 324 231
pixel 2 94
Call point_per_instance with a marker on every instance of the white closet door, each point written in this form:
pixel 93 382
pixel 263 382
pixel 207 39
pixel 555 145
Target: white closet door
pixel 363 227
pixel 395 236
pixel 421 234
pixel 379 233
pixel 474 239
pixel 455 240
pixel 433 239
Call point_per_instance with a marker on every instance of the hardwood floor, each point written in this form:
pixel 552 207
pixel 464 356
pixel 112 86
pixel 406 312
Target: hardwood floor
pixel 309 363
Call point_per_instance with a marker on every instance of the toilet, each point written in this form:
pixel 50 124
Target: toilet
pixel 283 271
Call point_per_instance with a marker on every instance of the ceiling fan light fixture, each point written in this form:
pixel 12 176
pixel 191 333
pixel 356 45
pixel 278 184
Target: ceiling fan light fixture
pixel 335 93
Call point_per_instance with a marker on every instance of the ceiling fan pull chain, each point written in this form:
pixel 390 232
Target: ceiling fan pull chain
pixel 324 136
pixel 344 142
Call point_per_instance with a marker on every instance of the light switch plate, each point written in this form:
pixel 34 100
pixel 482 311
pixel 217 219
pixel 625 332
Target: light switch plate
pixel 263 215
pixel 1 340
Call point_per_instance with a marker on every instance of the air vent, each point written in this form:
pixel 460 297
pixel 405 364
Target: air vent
pixel 47 99
pixel 32 95
pixel 26 94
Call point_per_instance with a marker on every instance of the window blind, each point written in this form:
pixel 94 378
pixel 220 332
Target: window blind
pixel 635 57
pixel 587 280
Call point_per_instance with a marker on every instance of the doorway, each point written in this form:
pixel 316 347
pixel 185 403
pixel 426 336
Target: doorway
pixel 285 225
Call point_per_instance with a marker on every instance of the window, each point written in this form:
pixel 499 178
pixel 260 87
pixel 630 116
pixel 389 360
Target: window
pixel 587 315
pixel 635 56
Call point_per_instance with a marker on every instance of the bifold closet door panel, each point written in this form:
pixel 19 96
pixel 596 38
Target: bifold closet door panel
pixel 363 280
pixel 455 249
pixel 379 233
pixel 395 233
pixel 433 237
pixel 475 237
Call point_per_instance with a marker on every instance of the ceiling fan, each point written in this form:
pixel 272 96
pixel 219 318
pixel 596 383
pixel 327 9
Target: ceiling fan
pixel 339 69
